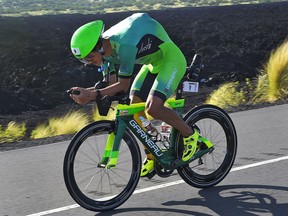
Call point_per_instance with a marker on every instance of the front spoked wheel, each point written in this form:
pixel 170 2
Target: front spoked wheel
pixel 92 185
pixel 216 126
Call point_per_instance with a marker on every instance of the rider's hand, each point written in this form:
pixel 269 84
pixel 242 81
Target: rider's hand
pixel 84 97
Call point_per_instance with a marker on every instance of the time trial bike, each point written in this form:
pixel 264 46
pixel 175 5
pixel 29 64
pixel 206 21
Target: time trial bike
pixel 103 161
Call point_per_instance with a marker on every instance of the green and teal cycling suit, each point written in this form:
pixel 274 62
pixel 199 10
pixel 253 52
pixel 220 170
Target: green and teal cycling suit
pixel 139 39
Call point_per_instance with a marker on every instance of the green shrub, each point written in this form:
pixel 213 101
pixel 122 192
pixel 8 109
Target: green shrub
pixel 272 83
pixel 41 131
pixel 13 132
pixel 273 80
pixel 227 95
pixel 68 124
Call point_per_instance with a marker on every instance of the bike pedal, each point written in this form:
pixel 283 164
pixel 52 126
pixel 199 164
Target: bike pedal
pixel 151 174
pixel 201 145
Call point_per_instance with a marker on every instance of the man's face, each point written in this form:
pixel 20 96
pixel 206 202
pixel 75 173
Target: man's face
pixel 94 58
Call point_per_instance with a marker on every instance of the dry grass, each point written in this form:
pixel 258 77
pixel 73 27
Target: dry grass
pixel 272 84
pixel 41 131
pixel 273 81
pixel 68 124
pixel 13 132
pixel 227 95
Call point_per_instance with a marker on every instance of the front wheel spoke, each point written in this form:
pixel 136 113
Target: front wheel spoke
pixel 89 182
pixel 109 180
pixel 84 170
pixel 119 175
pixel 88 156
pixel 90 179
pixel 83 162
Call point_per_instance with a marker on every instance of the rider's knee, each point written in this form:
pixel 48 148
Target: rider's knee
pixel 153 110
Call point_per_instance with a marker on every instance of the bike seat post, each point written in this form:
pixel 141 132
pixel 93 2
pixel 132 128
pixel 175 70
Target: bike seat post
pixel 179 90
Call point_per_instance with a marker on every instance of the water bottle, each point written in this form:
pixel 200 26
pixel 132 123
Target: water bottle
pixel 165 131
pixel 150 129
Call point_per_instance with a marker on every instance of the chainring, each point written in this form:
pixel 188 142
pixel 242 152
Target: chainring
pixel 160 171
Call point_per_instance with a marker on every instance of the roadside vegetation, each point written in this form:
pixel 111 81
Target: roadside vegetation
pixel 273 80
pixel 68 124
pixel 270 86
pixel 13 132
pixel 44 7
pixel 230 94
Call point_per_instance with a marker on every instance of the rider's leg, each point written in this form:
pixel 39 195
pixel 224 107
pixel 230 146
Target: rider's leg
pixel 171 70
pixel 135 99
pixel 155 107
pixel 139 92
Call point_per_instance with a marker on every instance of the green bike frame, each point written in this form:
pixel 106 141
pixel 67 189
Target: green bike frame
pixel 125 118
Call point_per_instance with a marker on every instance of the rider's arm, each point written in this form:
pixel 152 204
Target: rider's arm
pixel 112 73
pixel 120 86
pixel 127 54
pixel 107 68
pixel 113 78
pixel 87 95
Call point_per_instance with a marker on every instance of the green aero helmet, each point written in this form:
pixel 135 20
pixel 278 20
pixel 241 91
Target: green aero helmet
pixel 85 38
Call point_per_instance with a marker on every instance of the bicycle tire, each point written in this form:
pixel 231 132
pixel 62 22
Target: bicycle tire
pixel 95 188
pixel 215 125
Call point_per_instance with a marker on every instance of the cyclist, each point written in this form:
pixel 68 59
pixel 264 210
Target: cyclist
pixel 138 39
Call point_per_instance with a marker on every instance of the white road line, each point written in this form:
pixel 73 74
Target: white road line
pixel 65 208
pixel 259 163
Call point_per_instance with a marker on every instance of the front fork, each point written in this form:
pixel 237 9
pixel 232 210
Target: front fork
pixel 111 152
pixel 108 152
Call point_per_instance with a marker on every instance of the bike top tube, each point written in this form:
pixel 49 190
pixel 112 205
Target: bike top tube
pixel 126 110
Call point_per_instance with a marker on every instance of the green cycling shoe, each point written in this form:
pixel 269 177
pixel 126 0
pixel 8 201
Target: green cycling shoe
pixel 147 167
pixel 190 145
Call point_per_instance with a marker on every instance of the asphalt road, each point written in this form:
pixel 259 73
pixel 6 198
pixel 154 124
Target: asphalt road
pixel 31 181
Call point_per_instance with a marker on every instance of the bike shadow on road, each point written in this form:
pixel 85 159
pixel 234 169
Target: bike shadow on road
pixel 241 200
pixel 236 200
pixel 150 211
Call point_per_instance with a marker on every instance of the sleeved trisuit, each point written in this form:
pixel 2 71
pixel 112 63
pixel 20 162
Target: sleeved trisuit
pixel 139 39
